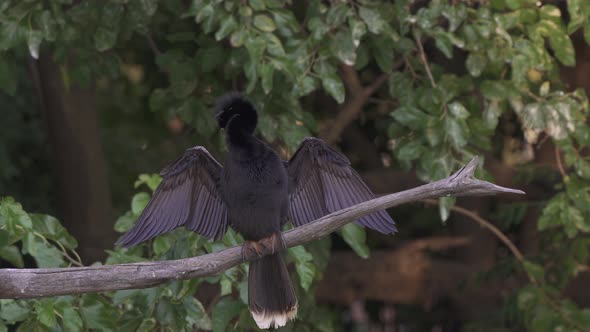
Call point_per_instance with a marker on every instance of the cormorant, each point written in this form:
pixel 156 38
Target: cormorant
pixel 255 193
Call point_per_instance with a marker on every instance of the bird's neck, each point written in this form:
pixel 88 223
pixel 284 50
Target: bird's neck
pixel 240 132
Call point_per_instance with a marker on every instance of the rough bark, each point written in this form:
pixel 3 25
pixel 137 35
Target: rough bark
pixel 30 283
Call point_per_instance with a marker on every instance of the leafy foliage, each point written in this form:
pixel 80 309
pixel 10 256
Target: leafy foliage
pixel 455 71
pixel 170 306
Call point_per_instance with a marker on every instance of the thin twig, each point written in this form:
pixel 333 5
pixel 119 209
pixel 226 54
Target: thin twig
pixel 425 61
pixel 485 224
pixel 559 163
pixel 153 45
pixel 517 254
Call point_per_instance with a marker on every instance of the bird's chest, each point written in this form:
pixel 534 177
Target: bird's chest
pixel 255 194
pixel 254 181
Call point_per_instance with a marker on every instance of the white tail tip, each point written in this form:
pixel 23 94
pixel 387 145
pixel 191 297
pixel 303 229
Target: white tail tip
pixel 266 320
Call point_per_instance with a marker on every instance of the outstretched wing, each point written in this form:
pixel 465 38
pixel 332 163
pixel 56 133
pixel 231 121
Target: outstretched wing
pixel 321 181
pixel 188 196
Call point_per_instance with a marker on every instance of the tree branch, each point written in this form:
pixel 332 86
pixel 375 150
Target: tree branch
pixel 358 98
pixel 31 283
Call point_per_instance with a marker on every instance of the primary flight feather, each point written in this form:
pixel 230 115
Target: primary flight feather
pixel 255 193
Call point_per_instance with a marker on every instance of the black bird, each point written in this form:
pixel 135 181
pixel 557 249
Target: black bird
pixel 256 193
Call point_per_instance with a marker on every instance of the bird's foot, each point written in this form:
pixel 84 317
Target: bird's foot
pixel 251 250
pixel 268 245
pixel 273 243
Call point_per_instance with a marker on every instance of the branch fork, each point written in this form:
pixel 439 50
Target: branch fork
pixel 35 283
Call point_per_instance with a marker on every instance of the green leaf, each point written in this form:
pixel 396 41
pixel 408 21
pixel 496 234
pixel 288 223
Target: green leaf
pixel 45 255
pixel 373 19
pixel 306 272
pixel 476 62
pixel 492 114
pixel 334 86
pixel 274 46
pixel 152 181
pixel 582 168
pixel 226 285
pixel 139 202
pixel 52 229
pixel 11 33
pixel 514 4
pixel 533 116
pixel 498 89
pixel 303 265
pixel 551 214
pixel 196 313
pixel 356 238
pixel 458 110
pixel 97 314
pixel 455 14
pixel 162 244
pixel 148 324
pixel 577 219
pixel 124 222
pixel 72 320
pixel 266 75
pixel 562 46
pixel 434 132
pixel 149 6
pixel 358 30
pixel 399 84
pixel 410 116
pixel 383 52
pixel 45 312
pixel 576 11
pixel 300 254
pixel 410 150
pixel 337 14
pixel 342 46
pixel 534 270
pixel 587 32
pixel 257 4
pixel 264 23
pixel 223 312
pixel 445 204
pixel 444 43
pixel 104 39
pixel 457 131
pixel 228 26
pixel 12 255
pixel 4 238
pixel 13 214
pixel 12 311
pixel 34 39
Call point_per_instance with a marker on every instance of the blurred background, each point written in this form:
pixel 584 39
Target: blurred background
pixel 97 96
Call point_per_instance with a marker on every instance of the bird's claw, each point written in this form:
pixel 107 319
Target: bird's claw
pixel 268 245
pixel 251 250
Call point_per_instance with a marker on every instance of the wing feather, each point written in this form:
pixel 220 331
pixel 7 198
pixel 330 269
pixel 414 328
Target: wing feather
pixel 321 181
pixel 187 196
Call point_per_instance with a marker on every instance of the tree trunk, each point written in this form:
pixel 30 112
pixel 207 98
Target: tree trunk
pixel 77 157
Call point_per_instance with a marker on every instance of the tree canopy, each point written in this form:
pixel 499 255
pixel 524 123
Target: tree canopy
pixel 96 92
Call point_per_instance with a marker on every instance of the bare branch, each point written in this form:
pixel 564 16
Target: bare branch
pixel 359 96
pixel 425 61
pixel 31 283
pixel 485 224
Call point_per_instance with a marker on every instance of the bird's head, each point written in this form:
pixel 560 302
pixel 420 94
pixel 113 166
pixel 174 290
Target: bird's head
pixel 235 108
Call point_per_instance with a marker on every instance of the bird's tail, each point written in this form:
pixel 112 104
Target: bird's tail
pixel 271 297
